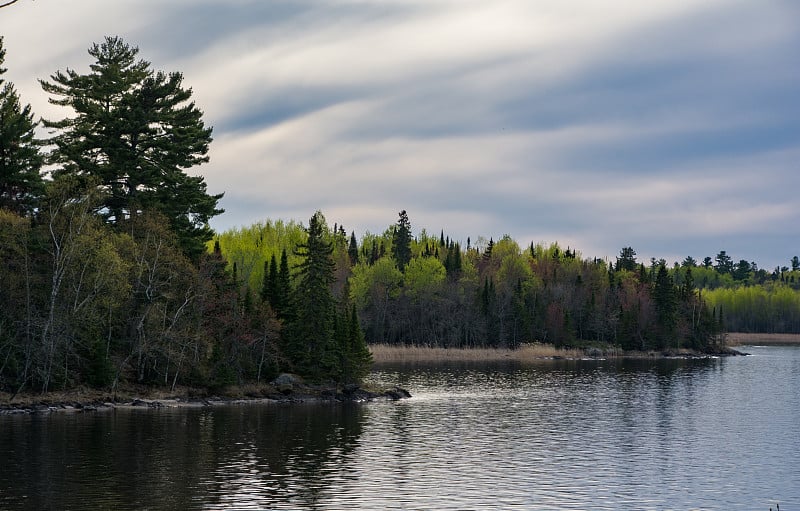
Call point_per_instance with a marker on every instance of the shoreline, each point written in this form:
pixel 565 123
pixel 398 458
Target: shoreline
pixel 742 338
pixel 535 352
pixel 296 391
pixel 287 392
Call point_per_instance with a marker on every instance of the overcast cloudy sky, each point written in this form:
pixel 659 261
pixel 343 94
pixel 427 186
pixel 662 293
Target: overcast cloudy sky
pixel 672 126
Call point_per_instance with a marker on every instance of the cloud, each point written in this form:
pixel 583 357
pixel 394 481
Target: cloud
pixel 673 127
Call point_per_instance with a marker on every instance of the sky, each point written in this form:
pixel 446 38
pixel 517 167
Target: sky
pixel 671 126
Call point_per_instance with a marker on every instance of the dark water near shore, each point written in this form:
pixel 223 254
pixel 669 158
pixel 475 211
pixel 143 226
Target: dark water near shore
pixel 672 434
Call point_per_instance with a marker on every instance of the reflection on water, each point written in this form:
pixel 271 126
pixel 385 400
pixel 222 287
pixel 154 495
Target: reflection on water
pixel 702 434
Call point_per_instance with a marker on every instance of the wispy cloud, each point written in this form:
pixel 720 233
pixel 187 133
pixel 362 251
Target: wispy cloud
pixel 673 127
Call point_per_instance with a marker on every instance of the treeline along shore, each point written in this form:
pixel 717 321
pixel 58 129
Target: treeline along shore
pixel 111 276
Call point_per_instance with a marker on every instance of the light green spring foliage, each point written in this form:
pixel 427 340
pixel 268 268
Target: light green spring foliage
pixel 424 277
pixel 767 308
pixel 375 283
pixel 249 247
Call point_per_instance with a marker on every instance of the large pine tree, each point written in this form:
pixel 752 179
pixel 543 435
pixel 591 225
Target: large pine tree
pixel 20 158
pixel 136 131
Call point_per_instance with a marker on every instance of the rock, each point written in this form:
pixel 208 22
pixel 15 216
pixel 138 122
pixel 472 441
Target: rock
pixel 594 352
pixel 350 388
pixel 397 393
pixel 286 383
pixel 287 379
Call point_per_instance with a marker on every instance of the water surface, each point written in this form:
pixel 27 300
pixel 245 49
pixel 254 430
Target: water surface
pixel 676 434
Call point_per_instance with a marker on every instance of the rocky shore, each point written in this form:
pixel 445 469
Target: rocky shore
pixel 286 389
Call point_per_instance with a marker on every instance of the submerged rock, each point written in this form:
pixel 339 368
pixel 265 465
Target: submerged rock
pixel 397 393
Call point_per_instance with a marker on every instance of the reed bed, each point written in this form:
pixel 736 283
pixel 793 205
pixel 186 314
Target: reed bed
pixel 740 338
pixel 384 353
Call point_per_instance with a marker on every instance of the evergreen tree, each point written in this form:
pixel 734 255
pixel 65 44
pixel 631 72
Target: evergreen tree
pixel 20 158
pixel 311 344
pixel 626 260
pixel 359 358
pixel 284 307
pixel 269 288
pixel 487 254
pixel 724 263
pixel 401 241
pixel 352 249
pixel 665 304
pixel 136 131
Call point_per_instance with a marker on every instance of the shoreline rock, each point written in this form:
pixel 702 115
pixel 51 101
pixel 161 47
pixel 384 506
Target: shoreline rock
pixel 288 391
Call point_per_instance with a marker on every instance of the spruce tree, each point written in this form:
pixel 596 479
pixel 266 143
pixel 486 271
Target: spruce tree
pixel 283 305
pixel 136 131
pixel 20 159
pixel 665 305
pixel 359 356
pixel 269 288
pixel 401 241
pixel 352 249
pixel 311 344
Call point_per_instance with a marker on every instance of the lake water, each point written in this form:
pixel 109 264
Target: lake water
pixel 671 434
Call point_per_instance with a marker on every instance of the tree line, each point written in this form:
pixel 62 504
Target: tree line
pixel 111 274
pixel 429 290
pixel 108 272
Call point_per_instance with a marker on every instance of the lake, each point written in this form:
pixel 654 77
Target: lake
pixel 624 435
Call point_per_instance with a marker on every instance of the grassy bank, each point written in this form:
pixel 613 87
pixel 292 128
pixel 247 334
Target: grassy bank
pixel 740 339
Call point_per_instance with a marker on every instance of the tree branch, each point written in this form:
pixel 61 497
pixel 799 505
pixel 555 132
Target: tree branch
pixel 8 3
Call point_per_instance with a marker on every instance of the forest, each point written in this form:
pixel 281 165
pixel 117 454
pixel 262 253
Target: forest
pixel 110 272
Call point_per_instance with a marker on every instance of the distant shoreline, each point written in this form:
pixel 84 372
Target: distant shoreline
pixel 741 339
pixel 392 354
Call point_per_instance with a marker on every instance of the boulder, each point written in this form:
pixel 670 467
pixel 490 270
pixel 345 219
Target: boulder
pixel 286 383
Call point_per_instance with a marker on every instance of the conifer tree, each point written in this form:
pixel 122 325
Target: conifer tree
pixel 665 304
pixel 136 131
pixel 283 306
pixel 401 241
pixel 352 249
pixel 311 344
pixel 20 159
pixel 359 358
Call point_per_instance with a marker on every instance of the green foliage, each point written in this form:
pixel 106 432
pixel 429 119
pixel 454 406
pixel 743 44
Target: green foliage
pixel 626 260
pixel 772 308
pixel 423 278
pixel 252 246
pixel 401 241
pixel 20 159
pixel 135 131
pixel 311 345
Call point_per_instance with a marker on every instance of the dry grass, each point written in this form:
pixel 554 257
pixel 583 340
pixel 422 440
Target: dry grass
pixel 739 339
pixel 383 353
pixel 87 395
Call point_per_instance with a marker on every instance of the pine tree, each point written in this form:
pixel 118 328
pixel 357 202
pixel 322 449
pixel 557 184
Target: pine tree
pixel 20 159
pixel 626 260
pixel 136 131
